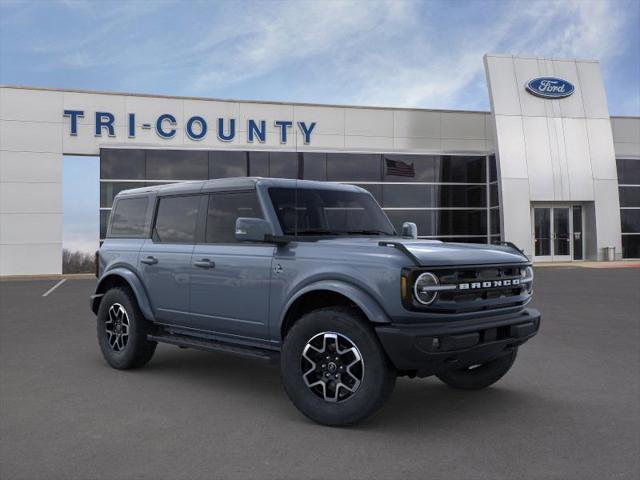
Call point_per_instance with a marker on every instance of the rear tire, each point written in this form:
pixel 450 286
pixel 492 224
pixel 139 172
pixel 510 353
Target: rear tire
pixel 333 367
pixel 480 376
pixel 122 331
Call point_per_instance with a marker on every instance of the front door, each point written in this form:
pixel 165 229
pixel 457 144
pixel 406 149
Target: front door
pixel 557 232
pixel 230 281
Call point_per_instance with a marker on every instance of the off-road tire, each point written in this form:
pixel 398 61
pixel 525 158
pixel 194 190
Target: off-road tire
pixel 378 375
pixel 137 350
pixel 482 375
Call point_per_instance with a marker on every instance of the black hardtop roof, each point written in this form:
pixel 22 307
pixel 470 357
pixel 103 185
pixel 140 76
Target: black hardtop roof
pixel 233 183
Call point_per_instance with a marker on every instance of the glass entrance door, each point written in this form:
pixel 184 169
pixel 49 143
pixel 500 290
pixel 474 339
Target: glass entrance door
pixel 542 233
pixel 561 234
pixel 557 233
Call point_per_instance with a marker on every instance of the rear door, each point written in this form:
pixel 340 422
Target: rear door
pixel 165 258
pixel 230 281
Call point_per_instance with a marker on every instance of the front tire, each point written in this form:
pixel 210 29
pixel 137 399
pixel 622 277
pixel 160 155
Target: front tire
pixel 480 376
pixel 122 331
pixel 333 367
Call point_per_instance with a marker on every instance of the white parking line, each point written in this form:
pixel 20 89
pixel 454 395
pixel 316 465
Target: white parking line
pixel 54 287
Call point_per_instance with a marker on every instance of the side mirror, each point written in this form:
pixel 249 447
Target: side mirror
pixel 410 230
pixel 252 229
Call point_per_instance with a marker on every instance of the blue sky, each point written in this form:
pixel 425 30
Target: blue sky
pixel 394 53
pixel 391 53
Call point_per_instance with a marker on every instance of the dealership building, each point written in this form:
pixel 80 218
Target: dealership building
pixel 547 168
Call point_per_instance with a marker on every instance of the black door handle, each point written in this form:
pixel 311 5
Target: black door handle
pixel 205 263
pixel 149 260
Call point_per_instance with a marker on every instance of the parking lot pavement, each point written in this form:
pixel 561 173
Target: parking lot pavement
pixel 568 409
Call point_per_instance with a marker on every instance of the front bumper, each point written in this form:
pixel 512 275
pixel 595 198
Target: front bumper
pixel 426 349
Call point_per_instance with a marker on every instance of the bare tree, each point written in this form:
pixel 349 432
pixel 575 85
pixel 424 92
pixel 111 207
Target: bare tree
pixel 77 262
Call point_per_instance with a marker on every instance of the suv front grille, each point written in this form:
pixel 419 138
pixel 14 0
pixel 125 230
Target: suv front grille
pixel 479 288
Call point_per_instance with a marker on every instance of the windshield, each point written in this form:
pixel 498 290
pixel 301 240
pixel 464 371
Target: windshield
pixel 328 212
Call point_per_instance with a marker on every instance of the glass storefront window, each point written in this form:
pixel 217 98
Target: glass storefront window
pixel 628 171
pixel 444 195
pixel 258 164
pixel 462 169
pixel 283 165
pixel 225 164
pixel 125 164
pixel 314 166
pixel 629 196
pixel 353 167
pixel 631 246
pixel 433 223
pixel 630 221
pixel 177 165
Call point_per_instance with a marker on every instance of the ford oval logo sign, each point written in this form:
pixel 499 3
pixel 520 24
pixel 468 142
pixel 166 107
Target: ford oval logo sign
pixel 550 87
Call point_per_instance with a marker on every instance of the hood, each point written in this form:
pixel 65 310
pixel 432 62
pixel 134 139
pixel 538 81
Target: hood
pixel 436 253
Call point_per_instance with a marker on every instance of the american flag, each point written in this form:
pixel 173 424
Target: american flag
pixel 399 168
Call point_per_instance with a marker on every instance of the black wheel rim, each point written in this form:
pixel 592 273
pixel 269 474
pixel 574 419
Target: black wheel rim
pixel 117 327
pixel 332 366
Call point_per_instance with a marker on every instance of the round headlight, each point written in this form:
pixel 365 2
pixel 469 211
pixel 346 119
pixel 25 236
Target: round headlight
pixel 526 274
pixel 423 288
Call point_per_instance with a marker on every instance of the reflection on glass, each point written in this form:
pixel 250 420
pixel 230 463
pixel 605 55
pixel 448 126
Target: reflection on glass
pixel 561 239
pixel 225 164
pixel 177 165
pixel 542 227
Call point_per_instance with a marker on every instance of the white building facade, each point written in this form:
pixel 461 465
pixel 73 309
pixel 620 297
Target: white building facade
pixel 547 168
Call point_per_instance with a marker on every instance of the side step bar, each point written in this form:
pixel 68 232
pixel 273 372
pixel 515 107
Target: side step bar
pixel 185 341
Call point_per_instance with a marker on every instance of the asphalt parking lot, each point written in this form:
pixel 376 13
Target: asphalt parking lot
pixel 570 407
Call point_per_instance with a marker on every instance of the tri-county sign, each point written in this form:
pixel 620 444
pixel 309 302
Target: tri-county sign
pixel 196 127
pixel 550 87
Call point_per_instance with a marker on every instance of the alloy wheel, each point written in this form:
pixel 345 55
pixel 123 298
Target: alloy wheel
pixel 117 327
pixel 332 366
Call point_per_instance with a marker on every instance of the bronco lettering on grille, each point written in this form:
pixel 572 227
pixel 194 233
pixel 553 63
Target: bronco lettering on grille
pixel 511 282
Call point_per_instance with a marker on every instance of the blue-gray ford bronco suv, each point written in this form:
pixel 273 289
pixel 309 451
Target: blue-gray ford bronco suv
pixel 311 274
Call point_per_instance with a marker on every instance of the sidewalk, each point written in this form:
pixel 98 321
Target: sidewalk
pixel 580 264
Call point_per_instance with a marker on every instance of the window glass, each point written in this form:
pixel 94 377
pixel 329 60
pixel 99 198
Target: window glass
pixel 350 167
pixel 464 239
pixel 410 168
pixel 493 169
pixel 373 189
pixel 629 196
pixel 460 222
pixel 258 164
pixel 461 169
pixel 494 198
pixel 442 222
pixel 327 212
pixel 224 209
pixel 405 196
pixel 441 196
pixel 177 165
pixel 495 220
pixel 630 246
pixel 126 164
pixel 628 171
pixel 176 219
pixel 419 217
pixel 128 218
pixel 225 164
pixel 314 166
pixel 283 165
pixel 109 190
pixel 470 196
pixel 630 221
pixel 104 222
